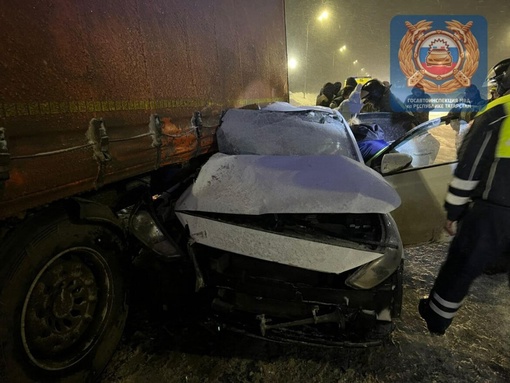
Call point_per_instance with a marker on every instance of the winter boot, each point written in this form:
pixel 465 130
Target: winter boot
pixel 436 324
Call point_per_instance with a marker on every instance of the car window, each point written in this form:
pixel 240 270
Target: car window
pixel 435 146
pixel 285 130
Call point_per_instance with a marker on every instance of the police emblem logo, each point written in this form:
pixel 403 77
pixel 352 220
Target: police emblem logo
pixel 442 61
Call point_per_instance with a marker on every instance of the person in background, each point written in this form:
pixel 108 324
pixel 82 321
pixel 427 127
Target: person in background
pixel 369 137
pixel 419 103
pixel 328 93
pixel 377 97
pixel 351 81
pixel 474 99
pixel 464 112
pixel 342 95
pixel 351 104
pixel 477 206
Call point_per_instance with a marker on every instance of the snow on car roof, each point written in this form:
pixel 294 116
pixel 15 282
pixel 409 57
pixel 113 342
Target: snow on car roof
pixel 284 159
pixel 283 129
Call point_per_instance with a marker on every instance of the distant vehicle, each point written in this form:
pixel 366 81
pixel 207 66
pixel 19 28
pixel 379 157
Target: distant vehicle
pixel 360 80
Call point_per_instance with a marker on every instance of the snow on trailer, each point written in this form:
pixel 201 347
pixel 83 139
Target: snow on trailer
pixel 97 92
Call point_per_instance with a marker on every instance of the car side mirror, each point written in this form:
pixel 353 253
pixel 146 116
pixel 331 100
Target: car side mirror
pixel 394 162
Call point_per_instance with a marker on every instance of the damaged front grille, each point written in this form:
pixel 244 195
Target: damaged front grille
pixel 272 300
pixel 359 229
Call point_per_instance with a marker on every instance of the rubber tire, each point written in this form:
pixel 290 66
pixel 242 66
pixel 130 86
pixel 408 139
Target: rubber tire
pixel 24 255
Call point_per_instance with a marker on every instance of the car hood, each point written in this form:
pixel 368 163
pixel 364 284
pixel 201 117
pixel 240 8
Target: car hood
pixel 266 184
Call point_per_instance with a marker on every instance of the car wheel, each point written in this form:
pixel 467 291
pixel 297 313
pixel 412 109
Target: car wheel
pixel 62 300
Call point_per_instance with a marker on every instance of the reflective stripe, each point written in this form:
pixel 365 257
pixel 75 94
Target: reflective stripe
pixel 498 120
pixel 488 184
pixel 456 200
pixel 440 312
pixel 503 145
pixel 445 303
pixel 461 184
pixel 479 155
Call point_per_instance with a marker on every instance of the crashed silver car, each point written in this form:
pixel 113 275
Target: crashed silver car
pixel 288 231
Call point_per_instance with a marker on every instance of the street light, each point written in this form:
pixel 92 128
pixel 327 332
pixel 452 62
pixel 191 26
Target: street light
pixel 323 16
pixel 292 63
pixel 342 49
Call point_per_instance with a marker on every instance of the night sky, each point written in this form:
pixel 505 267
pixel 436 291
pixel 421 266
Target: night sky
pixel 363 27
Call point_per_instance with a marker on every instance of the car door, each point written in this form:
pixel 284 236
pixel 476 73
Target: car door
pixel 423 185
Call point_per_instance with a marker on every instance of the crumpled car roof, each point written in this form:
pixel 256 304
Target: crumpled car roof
pixel 264 171
pixel 282 129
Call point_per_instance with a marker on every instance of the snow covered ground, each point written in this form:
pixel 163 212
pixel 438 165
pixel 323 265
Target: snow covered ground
pixel 173 348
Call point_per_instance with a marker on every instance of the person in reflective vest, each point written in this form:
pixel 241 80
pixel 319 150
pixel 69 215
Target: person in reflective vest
pixel 477 206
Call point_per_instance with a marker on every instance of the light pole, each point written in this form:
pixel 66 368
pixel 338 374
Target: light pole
pixel 306 56
pixel 341 50
pixel 323 16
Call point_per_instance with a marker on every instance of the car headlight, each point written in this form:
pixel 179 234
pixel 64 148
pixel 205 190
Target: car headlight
pixel 377 271
pixel 146 229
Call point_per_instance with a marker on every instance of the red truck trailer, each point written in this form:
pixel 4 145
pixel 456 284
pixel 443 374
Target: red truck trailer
pixel 95 98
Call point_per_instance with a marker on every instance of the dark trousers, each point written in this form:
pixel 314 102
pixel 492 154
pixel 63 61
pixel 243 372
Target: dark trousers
pixel 483 236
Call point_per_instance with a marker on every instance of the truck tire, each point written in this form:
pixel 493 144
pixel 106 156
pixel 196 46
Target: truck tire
pixel 62 300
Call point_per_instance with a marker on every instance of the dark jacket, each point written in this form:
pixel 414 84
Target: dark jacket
pixel 370 139
pixel 483 170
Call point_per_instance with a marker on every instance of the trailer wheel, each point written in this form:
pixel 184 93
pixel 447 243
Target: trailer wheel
pixel 62 301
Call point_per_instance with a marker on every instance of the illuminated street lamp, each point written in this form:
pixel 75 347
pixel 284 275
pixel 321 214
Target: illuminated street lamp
pixel 292 63
pixel 323 16
pixel 342 50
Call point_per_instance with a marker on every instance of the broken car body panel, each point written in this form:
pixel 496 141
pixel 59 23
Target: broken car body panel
pixel 251 184
pixel 276 247
pixel 289 240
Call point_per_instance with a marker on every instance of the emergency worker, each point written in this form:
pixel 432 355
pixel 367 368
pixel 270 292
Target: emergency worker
pixel 477 206
pixel 328 93
pixel 342 95
pixel 378 97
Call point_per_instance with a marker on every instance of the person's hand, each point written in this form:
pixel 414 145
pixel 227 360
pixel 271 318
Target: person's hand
pixel 450 227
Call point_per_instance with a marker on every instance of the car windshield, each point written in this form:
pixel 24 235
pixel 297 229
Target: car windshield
pixel 281 129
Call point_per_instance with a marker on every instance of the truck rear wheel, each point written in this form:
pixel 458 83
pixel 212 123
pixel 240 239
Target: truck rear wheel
pixel 62 300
